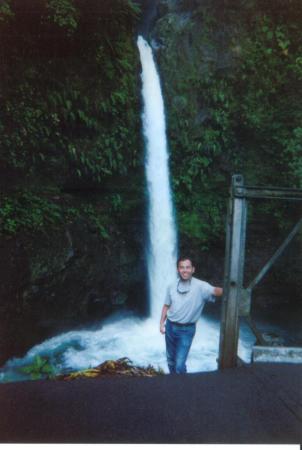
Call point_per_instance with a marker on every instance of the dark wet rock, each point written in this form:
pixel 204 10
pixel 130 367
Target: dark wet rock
pixel 65 279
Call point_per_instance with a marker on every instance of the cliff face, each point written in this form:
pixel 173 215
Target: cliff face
pixel 230 72
pixel 72 217
pixel 68 278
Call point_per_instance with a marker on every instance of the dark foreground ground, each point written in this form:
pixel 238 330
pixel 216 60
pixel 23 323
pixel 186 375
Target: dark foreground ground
pixel 260 403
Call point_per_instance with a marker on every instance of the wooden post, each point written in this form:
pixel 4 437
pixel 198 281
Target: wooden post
pixel 233 278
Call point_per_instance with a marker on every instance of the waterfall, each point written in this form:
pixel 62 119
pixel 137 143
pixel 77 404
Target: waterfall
pixel 161 226
pixel 126 335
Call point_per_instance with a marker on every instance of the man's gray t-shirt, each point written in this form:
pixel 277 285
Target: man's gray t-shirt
pixel 186 299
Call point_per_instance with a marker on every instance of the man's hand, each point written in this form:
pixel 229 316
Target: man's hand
pixel 218 292
pixel 162 328
pixel 163 318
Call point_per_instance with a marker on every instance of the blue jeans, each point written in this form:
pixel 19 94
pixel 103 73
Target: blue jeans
pixel 178 343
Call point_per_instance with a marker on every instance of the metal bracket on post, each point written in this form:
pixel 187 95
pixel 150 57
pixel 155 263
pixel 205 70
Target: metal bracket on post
pixel 234 263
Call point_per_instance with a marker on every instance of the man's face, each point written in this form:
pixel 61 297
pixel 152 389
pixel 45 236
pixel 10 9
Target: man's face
pixel 185 269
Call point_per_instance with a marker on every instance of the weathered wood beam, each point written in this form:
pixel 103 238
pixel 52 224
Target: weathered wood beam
pixel 245 301
pixel 259 337
pixel 235 249
pixel 269 193
pixel 275 256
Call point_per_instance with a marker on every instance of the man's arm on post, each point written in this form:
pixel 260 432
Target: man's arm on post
pixel 218 291
pixel 163 318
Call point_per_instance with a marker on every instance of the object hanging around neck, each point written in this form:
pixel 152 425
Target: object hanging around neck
pixel 183 286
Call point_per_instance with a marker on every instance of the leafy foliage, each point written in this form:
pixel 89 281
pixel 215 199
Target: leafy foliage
pixel 40 368
pixel 70 106
pixel 69 109
pixel 27 211
pixel 70 103
pixel 233 83
pixel 32 212
pixel 63 13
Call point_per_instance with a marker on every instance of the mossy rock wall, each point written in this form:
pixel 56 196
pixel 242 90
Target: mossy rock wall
pixel 230 72
pixel 67 279
pixel 72 216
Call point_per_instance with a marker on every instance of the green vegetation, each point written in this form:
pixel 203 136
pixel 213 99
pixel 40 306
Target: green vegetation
pixel 71 102
pixel 31 212
pixel 27 211
pixel 40 368
pixel 69 97
pixel 70 106
pixel 232 75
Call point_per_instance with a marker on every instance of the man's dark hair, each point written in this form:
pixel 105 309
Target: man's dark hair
pixel 184 258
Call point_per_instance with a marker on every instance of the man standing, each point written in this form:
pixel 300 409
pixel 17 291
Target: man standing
pixel 183 306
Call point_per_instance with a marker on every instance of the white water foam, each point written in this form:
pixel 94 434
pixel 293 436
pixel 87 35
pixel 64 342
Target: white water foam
pixel 137 339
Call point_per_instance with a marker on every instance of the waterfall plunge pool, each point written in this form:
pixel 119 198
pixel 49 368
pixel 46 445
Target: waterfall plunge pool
pixel 126 336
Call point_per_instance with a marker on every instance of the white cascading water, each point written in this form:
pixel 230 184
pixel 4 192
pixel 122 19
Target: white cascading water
pixel 162 232
pixel 129 336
